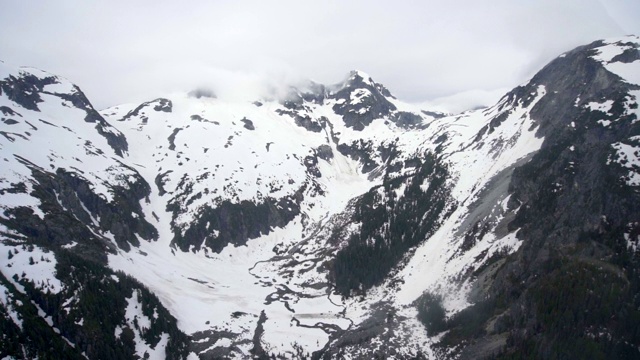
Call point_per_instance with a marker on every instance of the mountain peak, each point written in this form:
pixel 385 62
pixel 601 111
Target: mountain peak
pixel 360 76
pixel 358 79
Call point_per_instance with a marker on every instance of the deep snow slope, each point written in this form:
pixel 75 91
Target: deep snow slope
pixel 337 221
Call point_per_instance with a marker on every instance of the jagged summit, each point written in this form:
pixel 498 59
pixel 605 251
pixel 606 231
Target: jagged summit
pixel 358 77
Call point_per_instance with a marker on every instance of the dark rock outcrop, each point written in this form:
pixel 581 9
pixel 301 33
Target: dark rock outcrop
pixel 360 101
pixel 234 223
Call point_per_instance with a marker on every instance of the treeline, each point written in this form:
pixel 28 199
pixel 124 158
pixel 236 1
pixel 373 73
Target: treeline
pixel 86 313
pixel 389 226
pixel 34 338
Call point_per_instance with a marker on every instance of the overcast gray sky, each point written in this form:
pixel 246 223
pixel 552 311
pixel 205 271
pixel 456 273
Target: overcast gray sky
pixel 462 51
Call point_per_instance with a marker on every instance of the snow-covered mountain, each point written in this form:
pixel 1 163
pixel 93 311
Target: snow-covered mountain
pixel 336 222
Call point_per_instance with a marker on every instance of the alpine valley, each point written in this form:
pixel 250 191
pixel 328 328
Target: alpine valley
pixel 331 222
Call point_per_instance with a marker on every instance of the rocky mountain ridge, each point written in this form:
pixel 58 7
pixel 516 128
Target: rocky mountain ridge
pixel 337 222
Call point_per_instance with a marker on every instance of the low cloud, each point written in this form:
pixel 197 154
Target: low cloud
pixel 466 100
pixel 123 51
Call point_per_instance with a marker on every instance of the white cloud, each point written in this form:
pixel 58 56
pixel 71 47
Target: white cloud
pixel 465 100
pixel 123 51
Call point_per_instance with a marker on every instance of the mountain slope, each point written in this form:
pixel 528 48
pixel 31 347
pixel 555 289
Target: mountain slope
pixel 336 221
pixel 67 201
pixel 578 211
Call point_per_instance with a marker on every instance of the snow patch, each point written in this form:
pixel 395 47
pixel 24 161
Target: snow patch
pixel 628 156
pixel 358 95
pixel 8 302
pixel 604 107
pixel 31 263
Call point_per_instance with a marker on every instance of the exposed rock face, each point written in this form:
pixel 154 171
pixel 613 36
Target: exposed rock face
pixel 360 101
pixel 231 223
pixel 577 208
pixel 74 214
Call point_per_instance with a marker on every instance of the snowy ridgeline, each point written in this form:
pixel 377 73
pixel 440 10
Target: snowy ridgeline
pixel 303 161
pixel 228 291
